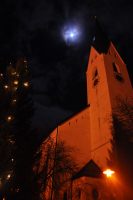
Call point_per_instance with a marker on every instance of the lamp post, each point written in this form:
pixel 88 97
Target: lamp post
pixel 108 173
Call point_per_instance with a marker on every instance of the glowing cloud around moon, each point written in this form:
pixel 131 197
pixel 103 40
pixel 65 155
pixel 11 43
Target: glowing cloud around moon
pixel 71 34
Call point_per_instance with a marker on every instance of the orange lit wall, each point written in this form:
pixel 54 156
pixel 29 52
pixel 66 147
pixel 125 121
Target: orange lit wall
pixel 75 133
pixel 89 132
pixel 103 99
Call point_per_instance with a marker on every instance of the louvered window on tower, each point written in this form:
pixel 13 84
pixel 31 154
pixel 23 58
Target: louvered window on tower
pixel 117 72
pixel 95 77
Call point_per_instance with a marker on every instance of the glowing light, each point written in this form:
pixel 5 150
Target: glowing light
pixel 71 33
pixel 9 118
pixel 8 176
pixel 11 141
pixel 1 75
pixel 13 73
pixel 14 100
pixel 16 82
pixel 6 86
pixel 108 173
pixel 26 84
pixel 12 159
pixel 17 189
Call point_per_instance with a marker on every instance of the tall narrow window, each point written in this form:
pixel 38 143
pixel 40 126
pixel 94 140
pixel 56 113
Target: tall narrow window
pixel 95 77
pixel 95 74
pixel 116 68
pixel 117 72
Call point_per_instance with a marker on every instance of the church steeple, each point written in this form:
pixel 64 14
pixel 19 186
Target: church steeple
pixel 107 79
pixel 100 40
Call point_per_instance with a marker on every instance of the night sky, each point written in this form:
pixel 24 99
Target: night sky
pixel 35 29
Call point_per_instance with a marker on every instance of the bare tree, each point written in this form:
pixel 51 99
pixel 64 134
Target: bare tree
pixel 54 168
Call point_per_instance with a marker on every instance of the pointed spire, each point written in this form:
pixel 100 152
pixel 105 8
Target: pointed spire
pixel 100 40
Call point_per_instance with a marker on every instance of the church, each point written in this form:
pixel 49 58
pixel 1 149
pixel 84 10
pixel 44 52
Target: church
pixel 89 132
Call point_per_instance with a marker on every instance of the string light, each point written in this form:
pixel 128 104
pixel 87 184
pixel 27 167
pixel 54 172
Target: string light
pixel 11 141
pixel 13 73
pixel 1 75
pixel 14 100
pixel 9 118
pixel 15 82
pixel 8 176
pixel 6 86
pixel 26 84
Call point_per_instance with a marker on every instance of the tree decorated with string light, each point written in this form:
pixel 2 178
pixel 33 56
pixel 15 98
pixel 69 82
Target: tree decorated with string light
pixel 17 137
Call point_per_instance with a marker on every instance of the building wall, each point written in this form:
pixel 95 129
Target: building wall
pixel 86 188
pixel 100 108
pixel 117 89
pixel 89 132
pixel 104 90
pixel 76 134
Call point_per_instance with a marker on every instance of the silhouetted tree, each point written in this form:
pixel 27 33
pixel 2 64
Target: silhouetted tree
pixel 122 141
pixel 18 142
pixel 7 140
pixel 55 168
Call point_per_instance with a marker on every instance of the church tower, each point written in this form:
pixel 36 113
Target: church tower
pixel 107 80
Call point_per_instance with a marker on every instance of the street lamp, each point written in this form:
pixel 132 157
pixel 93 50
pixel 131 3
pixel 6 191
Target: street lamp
pixel 108 173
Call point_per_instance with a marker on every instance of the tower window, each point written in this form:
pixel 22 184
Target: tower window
pixel 95 78
pixel 95 74
pixel 117 72
pixel 116 68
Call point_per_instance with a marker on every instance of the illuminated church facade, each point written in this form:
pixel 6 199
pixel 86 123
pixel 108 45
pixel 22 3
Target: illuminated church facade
pixel 89 132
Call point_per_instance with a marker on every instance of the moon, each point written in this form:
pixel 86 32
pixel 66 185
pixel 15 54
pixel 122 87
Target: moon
pixel 71 34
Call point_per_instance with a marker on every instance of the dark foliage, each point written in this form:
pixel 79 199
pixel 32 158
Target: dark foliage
pixel 18 140
pixel 122 142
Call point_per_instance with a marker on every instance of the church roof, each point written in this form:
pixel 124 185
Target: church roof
pixel 73 115
pixel 100 40
pixel 91 169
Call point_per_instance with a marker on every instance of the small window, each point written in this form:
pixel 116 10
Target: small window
pixel 95 74
pixel 116 68
pixel 117 72
pixel 95 78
